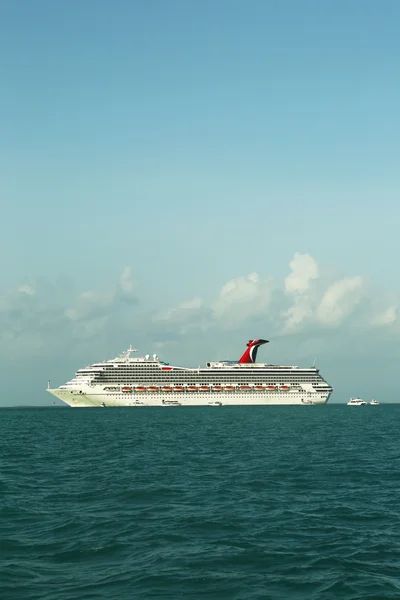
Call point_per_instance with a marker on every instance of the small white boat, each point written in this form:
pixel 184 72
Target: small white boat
pixel 214 403
pixel 356 402
pixel 374 402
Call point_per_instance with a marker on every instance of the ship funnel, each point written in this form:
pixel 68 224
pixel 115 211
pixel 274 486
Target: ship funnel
pixel 250 354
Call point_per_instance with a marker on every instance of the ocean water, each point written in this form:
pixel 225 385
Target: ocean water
pixel 211 502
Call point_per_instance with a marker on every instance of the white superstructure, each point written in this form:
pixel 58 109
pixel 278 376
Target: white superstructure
pixel 147 381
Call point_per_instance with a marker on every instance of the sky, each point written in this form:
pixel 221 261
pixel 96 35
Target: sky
pixel 185 176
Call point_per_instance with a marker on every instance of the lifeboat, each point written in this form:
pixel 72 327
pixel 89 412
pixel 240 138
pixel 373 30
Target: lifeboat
pixel 126 389
pixel 204 388
pixel 166 388
pixel 245 388
pixel 230 388
pixel 152 388
pixel 140 389
pixel 271 387
pixel 259 388
pixel 217 388
pixel 192 388
pixel 178 388
pixel 284 388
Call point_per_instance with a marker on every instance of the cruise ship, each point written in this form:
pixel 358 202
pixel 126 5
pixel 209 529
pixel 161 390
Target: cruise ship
pixel 148 381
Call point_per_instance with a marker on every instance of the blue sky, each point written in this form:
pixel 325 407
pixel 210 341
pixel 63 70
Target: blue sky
pixel 195 144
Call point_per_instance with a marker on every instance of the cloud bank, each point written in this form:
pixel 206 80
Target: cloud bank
pixel 305 302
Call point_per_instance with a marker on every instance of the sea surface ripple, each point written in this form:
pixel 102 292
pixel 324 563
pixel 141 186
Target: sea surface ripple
pixel 238 503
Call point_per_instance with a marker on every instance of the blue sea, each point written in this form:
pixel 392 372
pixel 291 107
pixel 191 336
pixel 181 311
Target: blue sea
pixel 235 503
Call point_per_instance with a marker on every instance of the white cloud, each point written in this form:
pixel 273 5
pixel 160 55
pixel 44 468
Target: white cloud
pixel 28 289
pixel 340 300
pixel 243 298
pixel 386 317
pixel 298 285
pixel 189 316
pixel 195 303
pixel 126 280
pixel 239 300
pixel 96 304
pixel 300 311
pixel 181 312
pixel 90 305
pixel 304 270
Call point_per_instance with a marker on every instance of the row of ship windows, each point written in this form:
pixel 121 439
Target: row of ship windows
pixel 158 368
pixel 188 378
pixel 214 381
pixel 146 369
pixel 208 382
pixel 209 375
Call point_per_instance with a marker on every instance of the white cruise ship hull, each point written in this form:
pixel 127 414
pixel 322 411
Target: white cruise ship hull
pixel 91 398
